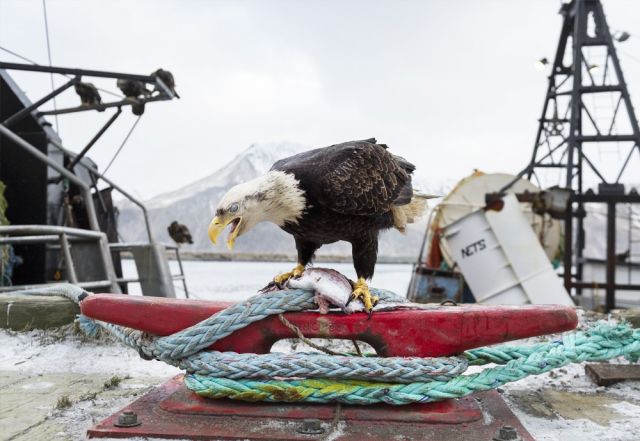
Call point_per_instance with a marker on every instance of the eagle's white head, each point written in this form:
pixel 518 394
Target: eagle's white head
pixel 274 197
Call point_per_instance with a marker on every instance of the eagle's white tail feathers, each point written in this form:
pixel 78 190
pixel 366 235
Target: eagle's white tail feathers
pixel 409 213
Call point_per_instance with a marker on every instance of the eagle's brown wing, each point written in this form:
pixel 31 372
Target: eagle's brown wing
pixel 357 177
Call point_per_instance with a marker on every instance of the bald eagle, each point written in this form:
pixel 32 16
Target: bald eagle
pixel 179 233
pixel 349 191
pixel 88 93
pixel 167 79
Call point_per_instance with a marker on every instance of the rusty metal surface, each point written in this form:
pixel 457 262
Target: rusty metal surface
pixel 170 411
pixel 429 332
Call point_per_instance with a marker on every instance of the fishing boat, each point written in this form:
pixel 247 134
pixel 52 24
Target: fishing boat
pixel 68 232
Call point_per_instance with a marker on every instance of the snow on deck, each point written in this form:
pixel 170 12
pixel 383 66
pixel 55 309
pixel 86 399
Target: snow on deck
pixel 38 368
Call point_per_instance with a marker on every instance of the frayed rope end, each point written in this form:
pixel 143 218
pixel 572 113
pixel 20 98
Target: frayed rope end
pixel 88 326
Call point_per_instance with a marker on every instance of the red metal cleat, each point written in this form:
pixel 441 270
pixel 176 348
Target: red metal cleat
pixel 172 411
pixel 433 332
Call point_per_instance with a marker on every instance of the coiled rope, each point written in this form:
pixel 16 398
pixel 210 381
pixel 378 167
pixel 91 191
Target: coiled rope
pixel 319 378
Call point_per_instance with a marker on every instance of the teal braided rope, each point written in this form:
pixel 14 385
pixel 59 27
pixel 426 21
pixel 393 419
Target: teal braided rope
pixel 325 379
pixel 172 349
pixel 313 365
pixel 202 335
pixel 265 366
pixel 305 365
pixel 602 342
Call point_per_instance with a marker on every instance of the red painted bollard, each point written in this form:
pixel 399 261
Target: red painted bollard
pixel 429 332
pixel 172 411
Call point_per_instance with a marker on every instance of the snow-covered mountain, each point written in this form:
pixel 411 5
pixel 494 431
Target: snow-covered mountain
pixel 194 204
pixel 252 162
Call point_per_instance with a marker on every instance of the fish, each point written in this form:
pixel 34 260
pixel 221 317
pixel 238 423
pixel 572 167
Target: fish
pixel 332 289
pixel 329 287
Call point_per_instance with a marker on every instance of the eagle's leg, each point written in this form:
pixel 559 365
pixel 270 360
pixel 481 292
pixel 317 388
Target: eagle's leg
pixel 365 254
pixel 306 251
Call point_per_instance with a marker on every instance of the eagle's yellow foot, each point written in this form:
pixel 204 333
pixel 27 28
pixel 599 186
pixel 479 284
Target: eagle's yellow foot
pixel 361 291
pixel 282 278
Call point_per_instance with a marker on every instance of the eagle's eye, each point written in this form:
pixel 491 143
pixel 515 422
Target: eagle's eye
pixel 234 207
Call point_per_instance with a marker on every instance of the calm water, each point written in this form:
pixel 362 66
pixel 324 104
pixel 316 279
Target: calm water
pixel 234 281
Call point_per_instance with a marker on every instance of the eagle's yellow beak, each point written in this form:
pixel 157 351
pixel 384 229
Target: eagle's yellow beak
pixel 217 226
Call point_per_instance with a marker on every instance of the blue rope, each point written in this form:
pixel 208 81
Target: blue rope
pixel 320 378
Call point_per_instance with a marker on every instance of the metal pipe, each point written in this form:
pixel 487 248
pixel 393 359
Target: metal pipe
pixel 127 246
pixel 97 136
pixel 85 285
pixel 568 248
pixel 184 279
pixel 606 138
pixel 95 284
pixel 595 285
pixel 575 126
pixel 68 260
pixel 107 261
pixel 530 167
pixel 102 106
pixel 24 240
pixel 145 214
pixel 610 284
pixel 49 229
pixel 25 111
pixel 626 161
pixel 129 280
pixel 77 72
pixel 86 190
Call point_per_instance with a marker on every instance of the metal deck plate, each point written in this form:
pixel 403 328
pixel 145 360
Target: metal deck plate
pixel 172 411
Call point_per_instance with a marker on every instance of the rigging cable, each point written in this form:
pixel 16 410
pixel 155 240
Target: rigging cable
pixel 17 55
pixel 23 58
pixel 46 28
pixel 126 138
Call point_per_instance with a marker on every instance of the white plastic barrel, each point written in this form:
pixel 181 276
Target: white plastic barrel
pixel 501 258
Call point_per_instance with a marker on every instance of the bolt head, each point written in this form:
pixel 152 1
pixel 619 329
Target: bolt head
pixel 310 426
pixel 127 418
pixel 507 433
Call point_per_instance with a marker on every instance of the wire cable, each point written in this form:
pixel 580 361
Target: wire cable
pixel 46 28
pixel 23 58
pixel 17 55
pixel 126 138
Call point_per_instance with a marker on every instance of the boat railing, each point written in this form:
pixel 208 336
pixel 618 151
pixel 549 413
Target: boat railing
pixel 135 250
pixel 75 76
pixel 112 184
pixel 153 268
pixel 57 237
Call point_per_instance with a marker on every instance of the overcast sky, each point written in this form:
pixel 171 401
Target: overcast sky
pixel 448 84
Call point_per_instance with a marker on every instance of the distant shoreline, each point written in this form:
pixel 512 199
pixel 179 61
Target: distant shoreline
pixel 275 257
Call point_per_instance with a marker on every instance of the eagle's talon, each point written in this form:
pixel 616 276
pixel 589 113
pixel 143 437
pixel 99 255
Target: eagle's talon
pixel 361 291
pixel 351 297
pixel 281 279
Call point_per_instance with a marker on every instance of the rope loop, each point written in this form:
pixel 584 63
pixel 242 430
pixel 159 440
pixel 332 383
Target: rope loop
pixel 320 378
